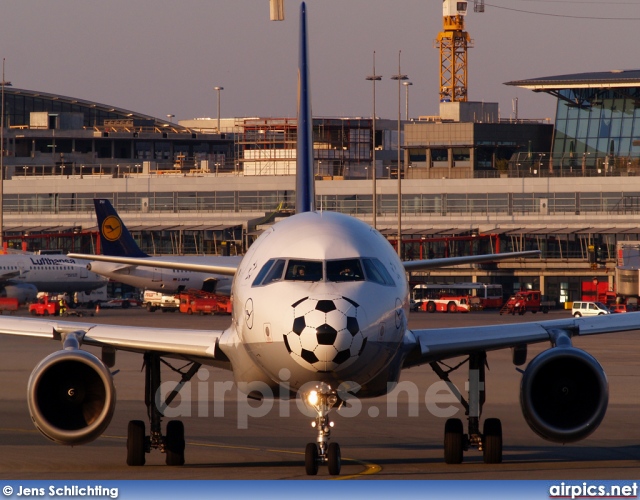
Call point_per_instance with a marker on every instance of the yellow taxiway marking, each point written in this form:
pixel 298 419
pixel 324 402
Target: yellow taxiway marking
pixel 369 468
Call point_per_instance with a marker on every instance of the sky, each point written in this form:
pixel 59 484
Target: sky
pixel 158 57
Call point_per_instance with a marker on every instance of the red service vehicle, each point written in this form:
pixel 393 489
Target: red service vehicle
pixel 8 304
pixel 451 304
pixel 198 302
pixel 45 307
pixel 523 301
pixel 620 308
pixel 599 291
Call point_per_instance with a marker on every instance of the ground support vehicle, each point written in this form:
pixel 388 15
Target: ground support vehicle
pixel 73 312
pixel 120 303
pixel 155 300
pixel 621 308
pixel 451 304
pixel 8 304
pixel 198 302
pixel 45 307
pixel 599 291
pixel 529 300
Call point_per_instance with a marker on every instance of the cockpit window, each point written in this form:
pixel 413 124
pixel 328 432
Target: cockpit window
pixel 341 270
pixel 304 270
pixel 377 273
pixel 275 273
pixel 263 272
pixel 344 270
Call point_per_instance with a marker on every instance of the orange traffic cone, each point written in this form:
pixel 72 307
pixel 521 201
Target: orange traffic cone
pixel 97 308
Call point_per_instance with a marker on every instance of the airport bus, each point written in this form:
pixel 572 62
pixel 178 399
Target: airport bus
pixel 488 296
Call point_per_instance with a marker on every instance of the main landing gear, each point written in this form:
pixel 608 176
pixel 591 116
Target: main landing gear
pixel 172 444
pixel 489 441
pixel 322 400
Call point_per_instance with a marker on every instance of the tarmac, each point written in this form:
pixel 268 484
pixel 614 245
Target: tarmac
pixel 375 443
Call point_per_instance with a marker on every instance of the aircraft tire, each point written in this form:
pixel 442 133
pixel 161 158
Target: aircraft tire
pixel 175 443
pixel 453 441
pixel 311 459
pixel 334 459
pixel 135 443
pixel 492 447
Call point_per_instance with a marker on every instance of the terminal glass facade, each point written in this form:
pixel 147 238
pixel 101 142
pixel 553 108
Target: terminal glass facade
pixel 598 129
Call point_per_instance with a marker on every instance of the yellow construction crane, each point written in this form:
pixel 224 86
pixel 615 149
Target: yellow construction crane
pixel 453 42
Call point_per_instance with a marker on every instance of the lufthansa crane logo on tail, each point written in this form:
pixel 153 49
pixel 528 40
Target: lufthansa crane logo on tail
pixel 111 228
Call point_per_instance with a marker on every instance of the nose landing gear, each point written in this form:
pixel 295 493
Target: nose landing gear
pixel 322 400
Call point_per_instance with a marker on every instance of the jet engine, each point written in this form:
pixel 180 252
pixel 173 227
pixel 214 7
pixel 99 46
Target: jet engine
pixel 71 397
pixel 24 292
pixel 564 394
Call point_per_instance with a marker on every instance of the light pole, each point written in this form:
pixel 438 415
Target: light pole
pixel 218 89
pixel 3 84
pixel 406 99
pixel 374 78
pixel 170 116
pixel 400 77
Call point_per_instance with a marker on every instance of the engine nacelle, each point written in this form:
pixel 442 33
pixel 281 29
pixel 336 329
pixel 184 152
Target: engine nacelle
pixel 24 292
pixel 71 397
pixel 564 394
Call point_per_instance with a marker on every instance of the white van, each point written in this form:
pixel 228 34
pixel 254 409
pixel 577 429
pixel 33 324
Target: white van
pixel 589 309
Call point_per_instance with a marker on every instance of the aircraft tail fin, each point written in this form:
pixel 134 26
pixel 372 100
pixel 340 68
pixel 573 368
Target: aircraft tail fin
pixel 305 189
pixel 115 238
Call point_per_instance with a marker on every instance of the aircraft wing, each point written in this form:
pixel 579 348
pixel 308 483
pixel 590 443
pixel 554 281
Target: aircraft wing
pixel 428 345
pixel 199 345
pixel 217 266
pixel 419 265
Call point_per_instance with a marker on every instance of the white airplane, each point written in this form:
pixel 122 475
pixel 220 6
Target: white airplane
pixel 148 272
pixel 23 275
pixel 320 301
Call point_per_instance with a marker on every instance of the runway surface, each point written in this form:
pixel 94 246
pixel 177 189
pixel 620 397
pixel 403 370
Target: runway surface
pixel 374 443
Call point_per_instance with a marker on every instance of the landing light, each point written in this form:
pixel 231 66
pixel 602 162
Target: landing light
pixel 312 398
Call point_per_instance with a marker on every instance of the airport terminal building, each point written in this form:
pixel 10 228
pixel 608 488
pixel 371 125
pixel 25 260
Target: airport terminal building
pixel 570 190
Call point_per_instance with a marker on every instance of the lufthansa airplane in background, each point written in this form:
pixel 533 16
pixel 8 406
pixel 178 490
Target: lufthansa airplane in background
pixel 140 270
pixel 320 300
pixel 23 275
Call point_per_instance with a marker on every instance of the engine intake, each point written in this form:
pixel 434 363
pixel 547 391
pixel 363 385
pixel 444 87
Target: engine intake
pixel 564 394
pixel 71 397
